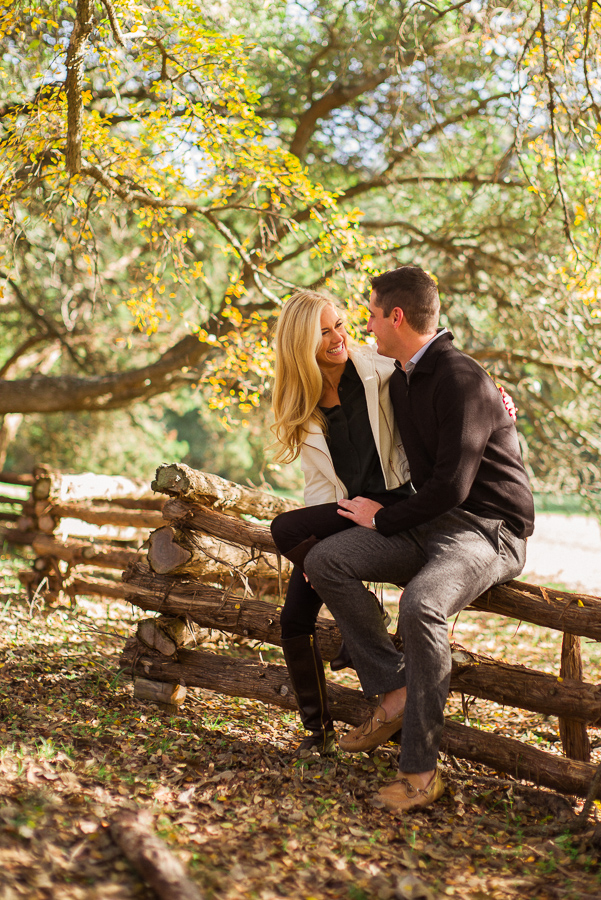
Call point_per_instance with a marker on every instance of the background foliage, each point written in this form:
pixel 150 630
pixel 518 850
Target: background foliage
pixel 169 174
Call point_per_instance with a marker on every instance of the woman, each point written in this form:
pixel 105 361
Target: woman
pixel 331 406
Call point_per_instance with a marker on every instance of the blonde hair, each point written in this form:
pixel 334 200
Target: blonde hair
pixel 298 381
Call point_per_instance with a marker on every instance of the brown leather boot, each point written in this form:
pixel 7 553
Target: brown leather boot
pixel 305 668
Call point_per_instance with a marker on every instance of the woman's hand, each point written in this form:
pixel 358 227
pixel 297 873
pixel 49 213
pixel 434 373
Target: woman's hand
pixel 360 510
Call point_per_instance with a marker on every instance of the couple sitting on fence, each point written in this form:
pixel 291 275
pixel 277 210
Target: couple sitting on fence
pixel 413 477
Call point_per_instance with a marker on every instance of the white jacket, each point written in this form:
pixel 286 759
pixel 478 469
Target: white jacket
pixel 322 485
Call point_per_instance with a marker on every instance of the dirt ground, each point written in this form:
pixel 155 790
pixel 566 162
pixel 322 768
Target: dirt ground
pixel 223 789
pixel 565 550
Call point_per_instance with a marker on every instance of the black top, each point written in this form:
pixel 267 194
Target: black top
pixel 350 439
pixel 461 444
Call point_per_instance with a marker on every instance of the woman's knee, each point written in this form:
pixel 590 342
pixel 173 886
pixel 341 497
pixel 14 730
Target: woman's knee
pixel 278 528
pixel 288 530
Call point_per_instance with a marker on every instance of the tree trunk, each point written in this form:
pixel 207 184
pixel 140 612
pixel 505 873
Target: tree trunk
pixel 11 478
pixel 177 551
pixel 574 737
pixel 22 536
pixel 13 500
pixel 211 490
pixel 577 613
pixel 270 684
pixel 148 503
pixel 208 521
pixel 10 516
pixel 151 857
pixel 78 586
pixel 525 688
pixel 113 390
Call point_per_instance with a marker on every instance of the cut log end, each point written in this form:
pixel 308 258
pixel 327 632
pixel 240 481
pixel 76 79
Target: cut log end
pixel 164 554
pixel 167 696
pixel 170 479
pixel 166 634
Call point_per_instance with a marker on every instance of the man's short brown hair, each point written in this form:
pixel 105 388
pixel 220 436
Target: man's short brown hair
pixel 412 289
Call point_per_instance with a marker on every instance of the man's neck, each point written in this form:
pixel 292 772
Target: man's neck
pixel 412 345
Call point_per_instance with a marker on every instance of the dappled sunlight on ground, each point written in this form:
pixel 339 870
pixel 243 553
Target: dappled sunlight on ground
pixel 228 796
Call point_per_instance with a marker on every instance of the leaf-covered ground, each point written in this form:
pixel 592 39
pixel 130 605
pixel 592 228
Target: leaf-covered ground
pixel 225 792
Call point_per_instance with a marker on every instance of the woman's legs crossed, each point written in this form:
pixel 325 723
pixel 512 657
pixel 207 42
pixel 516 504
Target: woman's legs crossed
pixel 290 529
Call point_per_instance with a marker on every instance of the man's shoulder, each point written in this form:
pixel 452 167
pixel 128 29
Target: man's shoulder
pixel 455 374
pixel 452 359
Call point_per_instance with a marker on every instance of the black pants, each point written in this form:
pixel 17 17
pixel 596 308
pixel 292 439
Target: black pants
pixel 290 529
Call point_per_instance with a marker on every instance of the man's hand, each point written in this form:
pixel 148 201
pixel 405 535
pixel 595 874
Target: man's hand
pixel 360 510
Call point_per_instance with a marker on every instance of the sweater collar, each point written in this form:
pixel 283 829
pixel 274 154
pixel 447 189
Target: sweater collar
pixel 427 362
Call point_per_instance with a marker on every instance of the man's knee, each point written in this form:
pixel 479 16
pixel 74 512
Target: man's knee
pixel 316 564
pixel 416 610
pixel 326 560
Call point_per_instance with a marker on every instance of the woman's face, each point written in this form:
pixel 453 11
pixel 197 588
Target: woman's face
pixel 333 351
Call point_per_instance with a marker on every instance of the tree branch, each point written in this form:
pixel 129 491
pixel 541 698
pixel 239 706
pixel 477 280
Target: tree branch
pixel 551 108
pixel 115 28
pixel 334 98
pixel 50 329
pixel 74 83
pixel 546 362
pixel 385 178
pixel 21 351
pixel 44 394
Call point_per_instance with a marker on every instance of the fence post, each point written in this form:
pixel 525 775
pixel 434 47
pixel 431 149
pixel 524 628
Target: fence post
pixel 574 736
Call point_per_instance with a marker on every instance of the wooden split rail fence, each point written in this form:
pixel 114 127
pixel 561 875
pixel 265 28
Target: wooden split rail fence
pixel 210 563
pixel 77 524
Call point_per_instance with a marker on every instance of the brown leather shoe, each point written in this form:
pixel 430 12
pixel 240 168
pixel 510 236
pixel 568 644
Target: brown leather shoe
pixel 375 731
pixel 401 795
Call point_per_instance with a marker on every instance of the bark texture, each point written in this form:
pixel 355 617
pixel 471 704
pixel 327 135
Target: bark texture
pixel 228 528
pixel 61 393
pixel 65 488
pixel 83 553
pixel 177 551
pixel 574 737
pixel 179 480
pixel 579 614
pixel 107 515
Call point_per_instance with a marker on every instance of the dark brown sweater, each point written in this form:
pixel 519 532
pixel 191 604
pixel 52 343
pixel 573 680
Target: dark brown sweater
pixel 461 444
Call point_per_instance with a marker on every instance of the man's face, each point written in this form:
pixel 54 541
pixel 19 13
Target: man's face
pixel 383 328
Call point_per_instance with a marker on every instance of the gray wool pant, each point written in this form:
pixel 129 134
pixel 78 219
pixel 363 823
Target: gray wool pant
pixel 444 565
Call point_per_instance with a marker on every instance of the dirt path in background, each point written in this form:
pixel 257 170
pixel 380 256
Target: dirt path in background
pixel 565 551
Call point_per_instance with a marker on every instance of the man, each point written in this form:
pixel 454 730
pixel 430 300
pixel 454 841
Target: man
pixel 463 530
